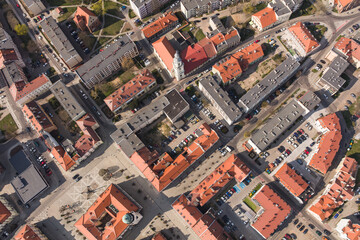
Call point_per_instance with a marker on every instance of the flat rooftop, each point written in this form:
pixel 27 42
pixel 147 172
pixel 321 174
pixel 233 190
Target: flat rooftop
pixel 67 100
pixel 19 161
pixel 280 122
pixel 332 74
pixel 269 84
pixel 29 184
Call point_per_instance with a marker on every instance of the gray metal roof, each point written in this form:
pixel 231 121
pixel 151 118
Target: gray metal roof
pixel 310 100
pixel 332 74
pixel 269 84
pixel 176 105
pixel 61 43
pixel 6 41
pixel 13 73
pixel 113 51
pixel 35 6
pixel 279 7
pixel 19 161
pixel 29 184
pixel 189 4
pixel 280 122
pixel 220 98
pixel 215 21
pixel 67 100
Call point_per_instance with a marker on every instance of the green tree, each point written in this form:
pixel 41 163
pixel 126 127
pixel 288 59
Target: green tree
pixel 102 172
pixel 21 29
pixel 246 134
pixel 249 8
pixel 264 104
pixel 97 8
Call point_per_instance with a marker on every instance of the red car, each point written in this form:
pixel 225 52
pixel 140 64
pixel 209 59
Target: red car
pixel 288 151
pixel 42 163
pixel 256 41
pixel 17 5
pixel 306 152
pixel 301 130
pixel 288 236
pixel 49 172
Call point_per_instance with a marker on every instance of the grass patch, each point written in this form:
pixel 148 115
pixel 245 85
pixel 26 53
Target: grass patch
pixel 260 6
pixel 125 2
pixel 355 151
pixel 112 26
pixel 251 204
pixel 199 35
pixel 63 2
pixel 11 19
pixel 126 76
pixel 112 8
pixel 338 38
pixel 67 13
pixel 317 31
pixel 103 40
pixel 131 13
pixel 8 125
pixel 314 70
pixel 88 40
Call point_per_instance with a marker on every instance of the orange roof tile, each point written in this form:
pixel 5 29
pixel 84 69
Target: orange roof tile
pixel 62 157
pixel 352 231
pixel 291 180
pixel 349 48
pixel 167 169
pixel 218 38
pixel 112 204
pixel 340 190
pixel 193 56
pixel 208 47
pixel 232 168
pixel 158 236
pixel 266 17
pixel 304 36
pixel 129 90
pixel 344 3
pixel 275 211
pixel 329 143
pixel 7 55
pixel 249 55
pixel 27 233
pixel 83 17
pixel 4 213
pixel 229 69
pixel 204 225
pixel 89 137
pixel 21 89
pixel 165 51
pixel 160 24
pixel 37 116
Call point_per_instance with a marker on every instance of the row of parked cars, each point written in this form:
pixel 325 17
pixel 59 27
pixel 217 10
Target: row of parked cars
pixel 208 113
pixel 42 162
pixel 74 34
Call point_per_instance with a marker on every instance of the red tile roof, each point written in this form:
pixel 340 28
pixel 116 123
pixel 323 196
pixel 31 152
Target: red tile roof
pixel 160 24
pixel 291 180
pixel 193 56
pixel 22 89
pixel 167 169
pixel 341 190
pixel 129 90
pixel 204 225
pixel 352 231
pixel 304 36
pixel 38 118
pixel 63 158
pixel 84 18
pixel 165 51
pixel 275 211
pixel 232 168
pixel 249 55
pixel 27 233
pixel 266 17
pixel 112 204
pixel 229 69
pixel 208 47
pixel 7 55
pixel 158 236
pixel 89 137
pixel 4 213
pixel 329 143
pixel 349 48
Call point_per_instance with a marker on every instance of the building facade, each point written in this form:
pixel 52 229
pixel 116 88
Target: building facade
pixel 195 8
pixel 34 7
pixel 144 8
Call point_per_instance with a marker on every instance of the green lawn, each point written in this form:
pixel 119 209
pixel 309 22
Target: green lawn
pixel 112 26
pixel 67 13
pixel 103 40
pixel 355 151
pixel 306 9
pixel 126 76
pixel 251 204
pixel 131 13
pixel 260 6
pixel 89 41
pixel 112 8
pixel 199 34
pixel 125 2
pixel 8 125
pixel 63 2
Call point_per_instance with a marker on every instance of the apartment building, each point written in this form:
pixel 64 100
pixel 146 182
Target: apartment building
pixel 61 43
pixel 12 73
pixel 163 24
pixel 34 7
pixel 339 190
pixel 30 232
pixel 348 230
pixel 7 212
pixel 107 62
pixel 343 5
pixel 331 79
pixel 7 46
pixel 300 39
pixel 133 89
pixel 67 100
pixel 36 115
pixel 86 19
pixel 195 8
pixel 23 92
pixel 144 8
pixel 277 11
pixel 348 49
pixel 220 99
pixel 275 79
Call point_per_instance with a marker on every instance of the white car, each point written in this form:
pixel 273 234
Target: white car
pixel 266 36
